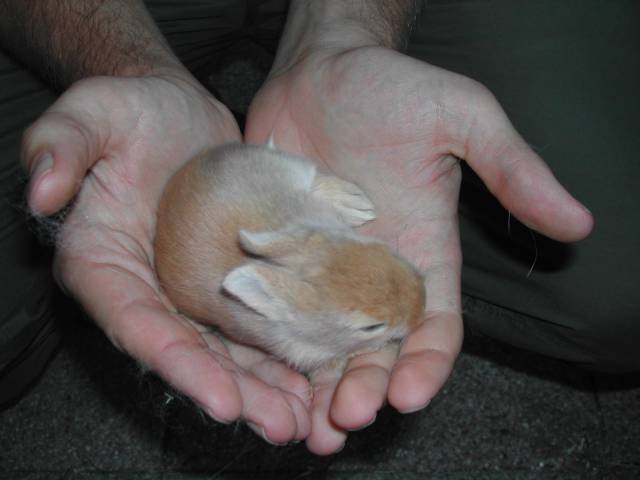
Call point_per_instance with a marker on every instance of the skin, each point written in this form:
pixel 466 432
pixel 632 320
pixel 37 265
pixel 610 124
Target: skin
pixel 337 93
pixel 112 145
pixel 396 127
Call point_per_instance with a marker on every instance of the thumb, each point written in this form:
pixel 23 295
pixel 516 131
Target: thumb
pixel 519 178
pixel 57 151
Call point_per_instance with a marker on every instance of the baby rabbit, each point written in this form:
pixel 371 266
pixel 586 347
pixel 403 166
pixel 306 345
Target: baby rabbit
pixel 258 243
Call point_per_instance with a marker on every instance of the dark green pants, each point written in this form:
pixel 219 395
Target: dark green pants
pixel 567 73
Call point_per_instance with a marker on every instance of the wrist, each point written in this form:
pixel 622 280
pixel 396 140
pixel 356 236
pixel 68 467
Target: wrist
pixel 334 26
pixel 70 40
pixel 114 38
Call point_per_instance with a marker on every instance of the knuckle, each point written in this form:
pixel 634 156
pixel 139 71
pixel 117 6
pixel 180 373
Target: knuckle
pixel 484 99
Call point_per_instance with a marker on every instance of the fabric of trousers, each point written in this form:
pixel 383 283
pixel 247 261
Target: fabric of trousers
pixel 567 74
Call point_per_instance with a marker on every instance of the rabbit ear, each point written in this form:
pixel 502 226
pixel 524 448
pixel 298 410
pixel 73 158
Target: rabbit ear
pixel 271 242
pixel 257 287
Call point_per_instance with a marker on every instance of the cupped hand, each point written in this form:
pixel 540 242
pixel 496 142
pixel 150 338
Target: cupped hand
pixel 111 144
pixel 397 127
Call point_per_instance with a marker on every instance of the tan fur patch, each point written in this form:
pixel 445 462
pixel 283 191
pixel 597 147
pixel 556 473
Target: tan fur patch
pixel 370 279
pixel 194 243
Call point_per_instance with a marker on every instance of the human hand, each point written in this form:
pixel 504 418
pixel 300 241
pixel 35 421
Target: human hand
pixel 113 143
pixel 396 127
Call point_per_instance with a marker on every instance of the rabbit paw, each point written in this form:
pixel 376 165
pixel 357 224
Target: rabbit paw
pixel 348 199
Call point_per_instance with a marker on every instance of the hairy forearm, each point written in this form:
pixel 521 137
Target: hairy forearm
pixel 389 22
pixel 66 40
pixel 344 24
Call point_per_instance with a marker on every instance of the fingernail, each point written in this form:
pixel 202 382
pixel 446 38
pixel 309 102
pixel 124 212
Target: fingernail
pixel 42 165
pixel 340 448
pixel 258 430
pixel 219 420
pixel 368 424
pixel 413 410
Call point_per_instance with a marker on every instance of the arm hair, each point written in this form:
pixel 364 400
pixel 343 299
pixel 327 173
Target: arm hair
pixel 66 40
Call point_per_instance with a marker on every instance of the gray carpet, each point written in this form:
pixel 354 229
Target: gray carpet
pixel 504 414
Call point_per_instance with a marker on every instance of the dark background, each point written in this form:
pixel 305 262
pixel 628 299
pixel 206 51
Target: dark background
pixel 504 414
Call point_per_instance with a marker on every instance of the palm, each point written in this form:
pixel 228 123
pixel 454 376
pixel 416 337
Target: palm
pixel 140 131
pixel 393 125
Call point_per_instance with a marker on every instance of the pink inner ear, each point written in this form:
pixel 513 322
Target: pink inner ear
pixel 243 281
pixel 272 291
pixel 249 284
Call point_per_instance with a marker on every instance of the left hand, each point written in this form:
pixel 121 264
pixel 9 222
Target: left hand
pixel 113 143
pixel 396 126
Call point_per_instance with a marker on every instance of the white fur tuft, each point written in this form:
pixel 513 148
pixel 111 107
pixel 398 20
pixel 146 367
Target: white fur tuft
pixel 270 142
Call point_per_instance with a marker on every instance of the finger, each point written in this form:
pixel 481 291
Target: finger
pixel 275 373
pixel 133 317
pixel 57 150
pixel 166 345
pixel 277 416
pixel 326 437
pixel 425 362
pixel 428 354
pixel 519 178
pixel 269 370
pixel 127 310
pixel 276 383
pixel 363 389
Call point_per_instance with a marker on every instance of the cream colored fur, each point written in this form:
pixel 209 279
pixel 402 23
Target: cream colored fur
pixel 260 244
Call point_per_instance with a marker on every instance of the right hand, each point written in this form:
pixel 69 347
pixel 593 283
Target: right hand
pixel 394 126
pixel 114 143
